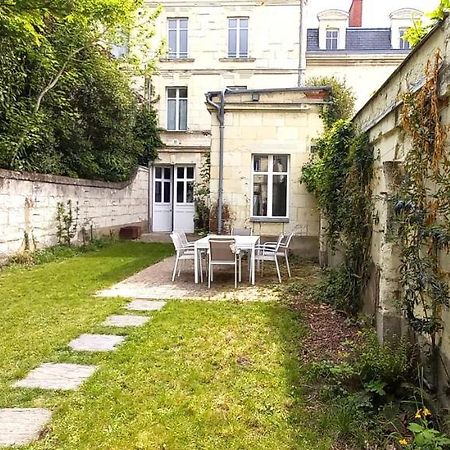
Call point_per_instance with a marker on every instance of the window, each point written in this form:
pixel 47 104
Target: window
pixel 178 38
pixel 185 185
pixel 177 108
pixel 163 184
pixel 238 37
pixel 270 185
pixel 404 45
pixel 331 41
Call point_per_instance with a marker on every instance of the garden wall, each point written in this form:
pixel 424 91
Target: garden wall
pixel 381 119
pixel 29 202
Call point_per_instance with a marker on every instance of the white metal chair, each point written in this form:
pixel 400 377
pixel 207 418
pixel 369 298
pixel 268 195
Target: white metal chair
pixel 184 253
pixel 283 250
pixel 269 251
pixel 223 252
pixel 184 240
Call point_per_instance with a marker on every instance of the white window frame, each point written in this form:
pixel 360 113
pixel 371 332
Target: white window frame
pixel 237 30
pixel 270 174
pixel 185 180
pixel 329 40
pixel 402 44
pixel 177 99
pixel 176 53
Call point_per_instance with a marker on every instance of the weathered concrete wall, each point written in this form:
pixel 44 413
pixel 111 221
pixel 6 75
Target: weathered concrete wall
pixel 28 206
pixel 380 117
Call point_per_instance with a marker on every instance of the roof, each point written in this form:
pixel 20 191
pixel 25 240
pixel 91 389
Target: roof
pixel 370 40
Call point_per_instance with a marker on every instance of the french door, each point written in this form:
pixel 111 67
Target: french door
pixel 173 198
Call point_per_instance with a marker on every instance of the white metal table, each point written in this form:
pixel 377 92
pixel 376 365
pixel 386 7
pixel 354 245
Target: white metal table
pixel 242 243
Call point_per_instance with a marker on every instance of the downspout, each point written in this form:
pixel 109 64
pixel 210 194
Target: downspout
pixel 301 45
pixel 220 112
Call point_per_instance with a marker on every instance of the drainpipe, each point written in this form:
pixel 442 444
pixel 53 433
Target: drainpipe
pixel 301 45
pixel 220 112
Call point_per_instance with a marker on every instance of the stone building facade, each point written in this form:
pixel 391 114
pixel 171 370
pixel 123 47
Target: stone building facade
pixel 235 45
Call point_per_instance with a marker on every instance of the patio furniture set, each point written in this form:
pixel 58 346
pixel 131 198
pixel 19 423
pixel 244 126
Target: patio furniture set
pixel 223 250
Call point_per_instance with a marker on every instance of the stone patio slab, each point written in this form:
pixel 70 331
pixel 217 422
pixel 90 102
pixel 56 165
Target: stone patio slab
pixel 96 343
pixel 20 426
pixel 57 376
pixel 125 320
pixel 145 305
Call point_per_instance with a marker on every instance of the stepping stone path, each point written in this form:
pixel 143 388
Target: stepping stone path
pixel 20 426
pixel 65 377
pixel 125 321
pixel 145 305
pixel 96 343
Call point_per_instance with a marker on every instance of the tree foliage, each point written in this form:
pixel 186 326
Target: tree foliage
pixel 341 101
pixel 419 29
pixel 66 107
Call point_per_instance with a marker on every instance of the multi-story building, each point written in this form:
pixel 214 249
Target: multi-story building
pixel 250 44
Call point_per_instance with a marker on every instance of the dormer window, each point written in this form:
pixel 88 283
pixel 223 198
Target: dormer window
pixel 401 20
pixel 332 39
pixel 403 43
pixel 332 26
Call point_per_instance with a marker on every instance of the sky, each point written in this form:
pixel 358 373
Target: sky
pixel 375 12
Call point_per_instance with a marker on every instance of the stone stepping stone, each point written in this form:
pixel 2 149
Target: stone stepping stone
pixel 96 343
pixel 20 426
pixel 64 376
pixel 125 321
pixel 145 305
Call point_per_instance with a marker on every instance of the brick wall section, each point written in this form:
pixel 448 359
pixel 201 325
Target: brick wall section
pixel 28 205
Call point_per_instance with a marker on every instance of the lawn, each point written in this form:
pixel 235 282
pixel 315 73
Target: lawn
pixel 199 375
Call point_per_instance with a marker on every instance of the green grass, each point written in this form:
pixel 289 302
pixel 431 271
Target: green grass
pixel 44 307
pixel 199 375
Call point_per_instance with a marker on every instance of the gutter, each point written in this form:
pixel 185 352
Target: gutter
pixel 220 112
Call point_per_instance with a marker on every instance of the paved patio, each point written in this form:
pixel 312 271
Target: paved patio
pixel 155 282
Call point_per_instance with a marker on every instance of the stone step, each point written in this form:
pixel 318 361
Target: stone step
pixel 125 320
pixel 21 426
pixel 145 305
pixel 57 376
pixel 96 343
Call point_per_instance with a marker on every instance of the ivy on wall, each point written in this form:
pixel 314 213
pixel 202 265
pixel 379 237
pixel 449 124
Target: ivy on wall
pixel 339 176
pixel 422 207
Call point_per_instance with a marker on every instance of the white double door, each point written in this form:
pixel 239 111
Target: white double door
pixel 173 198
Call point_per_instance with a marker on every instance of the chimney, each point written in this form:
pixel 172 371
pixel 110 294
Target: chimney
pixel 355 14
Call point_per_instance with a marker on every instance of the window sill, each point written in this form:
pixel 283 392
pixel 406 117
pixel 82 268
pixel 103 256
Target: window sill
pixel 269 219
pixel 177 60
pixel 237 59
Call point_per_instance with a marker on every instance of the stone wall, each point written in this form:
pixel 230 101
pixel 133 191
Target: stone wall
pixel 29 201
pixel 380 117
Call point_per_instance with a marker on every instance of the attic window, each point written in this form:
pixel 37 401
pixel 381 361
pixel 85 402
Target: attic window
pixel 331 40
pixel 403 43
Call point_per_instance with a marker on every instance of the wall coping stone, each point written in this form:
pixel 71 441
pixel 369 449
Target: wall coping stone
pixel 68 181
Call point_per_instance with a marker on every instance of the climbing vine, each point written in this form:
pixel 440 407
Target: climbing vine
pixel 422 207
pixel 202 196
pixel 339 175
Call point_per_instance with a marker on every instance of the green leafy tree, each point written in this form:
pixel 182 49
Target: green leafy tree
pixel 66 106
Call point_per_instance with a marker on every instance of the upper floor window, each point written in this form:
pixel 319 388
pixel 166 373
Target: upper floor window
pixel 238 37
pixel 177 108
pixel 403 44
pixel 270 186
pixel 331 40
pixel 178 38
